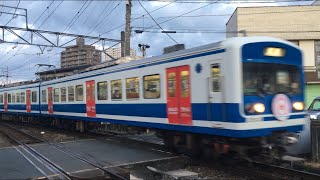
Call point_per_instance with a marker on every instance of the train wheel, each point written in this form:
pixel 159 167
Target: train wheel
pixel 169 143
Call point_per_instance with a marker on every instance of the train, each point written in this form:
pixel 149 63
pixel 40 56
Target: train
pixel 243 94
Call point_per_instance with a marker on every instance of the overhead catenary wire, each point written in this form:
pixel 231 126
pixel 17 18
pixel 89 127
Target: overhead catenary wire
pixel 227 1
pixel 165 20
pixel 36 59
pixel 242 14
pixel 236 2
pixel 102 20
pixel 51 14
pixel 89 15
pixel 30 27
pixel 188 12
pixel 157 23
pixel 13 16
pixel 99 16
pixel 38 28
pixel 138 18
pixel 75 16
pixel 33 23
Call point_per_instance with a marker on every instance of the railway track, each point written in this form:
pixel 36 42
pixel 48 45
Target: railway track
pixel 23 139
pixel 14 136
pixel 252 170
pixel 258 170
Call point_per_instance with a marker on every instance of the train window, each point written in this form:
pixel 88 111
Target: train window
pixel 215 75
pixel 151 86
pixel 79 93
pixel 13 98
pixel 1 98
pixel 23 97
pixel 132 88
pixel 18 97
pixel 102 90
pixel 34 96
pixel 172 84
pixel 9 98
pixel 56 95
pixel 63 92
pixel 116 90
pixel 184 80
pixel 70 94
pixel 44 95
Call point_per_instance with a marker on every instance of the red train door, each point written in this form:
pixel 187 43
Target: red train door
pixel 28 101
pixel 5 102
pixel 178 95
pixel 50 103
pixel 90 99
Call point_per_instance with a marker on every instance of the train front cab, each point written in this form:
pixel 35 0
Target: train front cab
pixel 273 91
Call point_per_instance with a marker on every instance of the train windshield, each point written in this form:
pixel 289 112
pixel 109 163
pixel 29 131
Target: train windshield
pixel 270 79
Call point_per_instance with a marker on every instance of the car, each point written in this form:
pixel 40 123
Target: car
pixel 314 109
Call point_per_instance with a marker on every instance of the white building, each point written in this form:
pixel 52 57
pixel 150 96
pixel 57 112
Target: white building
pixel 116 53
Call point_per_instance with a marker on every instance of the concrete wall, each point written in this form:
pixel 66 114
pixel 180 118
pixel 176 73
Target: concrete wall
pixel 283 22
pixel 232 25
pixel 309 53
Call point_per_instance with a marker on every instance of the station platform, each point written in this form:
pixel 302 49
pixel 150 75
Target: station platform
pixel 17 164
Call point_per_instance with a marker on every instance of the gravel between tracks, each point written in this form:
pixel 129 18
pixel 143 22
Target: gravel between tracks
pixel 4 142
pixel 50 135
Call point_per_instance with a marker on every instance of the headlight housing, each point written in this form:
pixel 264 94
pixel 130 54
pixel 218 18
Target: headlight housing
pixel 313 116
pixel 255 108
pixel 299 106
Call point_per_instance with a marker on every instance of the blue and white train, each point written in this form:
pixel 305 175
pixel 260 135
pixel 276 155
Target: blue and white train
pixel 246 89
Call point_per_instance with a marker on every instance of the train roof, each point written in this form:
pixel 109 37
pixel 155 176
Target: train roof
pixel 226 44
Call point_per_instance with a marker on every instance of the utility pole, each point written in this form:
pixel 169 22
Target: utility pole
pixel 128 28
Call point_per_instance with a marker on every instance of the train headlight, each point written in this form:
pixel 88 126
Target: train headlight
pixel 255 108
pixel 313 116
pixel 298 106
pixel 259 107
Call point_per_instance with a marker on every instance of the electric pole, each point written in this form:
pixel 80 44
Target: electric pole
pixel 128 28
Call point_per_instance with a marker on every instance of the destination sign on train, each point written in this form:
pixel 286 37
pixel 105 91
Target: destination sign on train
pixel 275 52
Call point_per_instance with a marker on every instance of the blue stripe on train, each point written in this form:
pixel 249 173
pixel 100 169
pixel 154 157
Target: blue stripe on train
pixel 199 110
pixel 194 129
pixel 34 107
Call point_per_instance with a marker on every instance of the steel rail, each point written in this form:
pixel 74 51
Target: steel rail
pixel 32 151
pixel 112 173
pixel 287 171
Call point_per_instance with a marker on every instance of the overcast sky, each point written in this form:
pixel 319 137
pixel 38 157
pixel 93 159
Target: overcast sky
pixel 100 17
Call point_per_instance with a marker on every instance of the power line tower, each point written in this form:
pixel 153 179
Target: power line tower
pixel 6 76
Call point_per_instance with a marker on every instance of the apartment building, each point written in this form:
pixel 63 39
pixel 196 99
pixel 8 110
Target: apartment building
pixel 80 55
